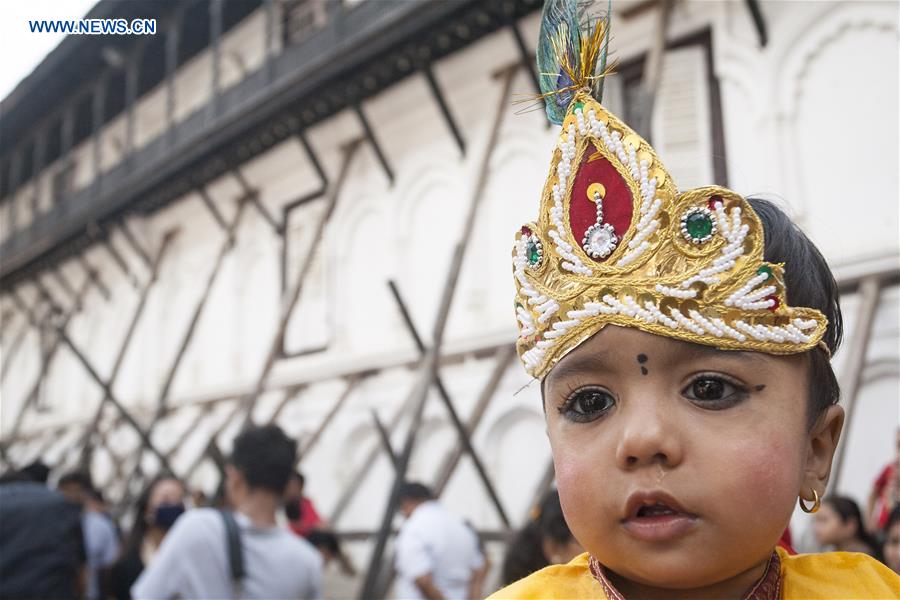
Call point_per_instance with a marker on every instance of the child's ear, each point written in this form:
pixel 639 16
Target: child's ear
pixel 823 441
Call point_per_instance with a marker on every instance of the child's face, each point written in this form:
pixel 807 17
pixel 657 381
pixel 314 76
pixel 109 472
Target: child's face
pixel 715 442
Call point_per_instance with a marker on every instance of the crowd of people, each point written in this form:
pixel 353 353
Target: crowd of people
pixel 262 539
pixel 265 538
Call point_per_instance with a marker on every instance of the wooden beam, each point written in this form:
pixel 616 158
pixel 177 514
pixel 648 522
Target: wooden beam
pixel 289 300
pixel 111 397
pixel 373 141
pixel 227 245
pixel 428 367
pixel 851 378
pixel 462 432
pixel 129 336
pixel 46 357
pixel 438 96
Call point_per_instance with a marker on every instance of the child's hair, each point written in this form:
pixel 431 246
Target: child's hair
pixel 848 510
pixel 810 284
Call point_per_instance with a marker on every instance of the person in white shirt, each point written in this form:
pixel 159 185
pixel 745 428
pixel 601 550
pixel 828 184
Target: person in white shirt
pixel 193 560
pixel 437 553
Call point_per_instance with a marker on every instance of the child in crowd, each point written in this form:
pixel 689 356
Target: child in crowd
pixel 682 340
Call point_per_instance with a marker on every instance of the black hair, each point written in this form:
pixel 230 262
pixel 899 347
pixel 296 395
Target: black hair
pixel 80 478
pixel 848 510
pixel 140 526
pixel 324 540
pixel 810 284
pixel 299 478
pixel 525 554
pixel 552 522
pixel 37 471
pixel 265 457
pixel 412 490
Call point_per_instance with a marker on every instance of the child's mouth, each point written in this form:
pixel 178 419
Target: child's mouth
pixel 656 517
pixel 656 510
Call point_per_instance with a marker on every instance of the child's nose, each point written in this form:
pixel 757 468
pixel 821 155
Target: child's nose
pixel 648 437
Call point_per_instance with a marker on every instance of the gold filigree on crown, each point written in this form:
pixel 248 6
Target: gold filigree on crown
pixel 615 242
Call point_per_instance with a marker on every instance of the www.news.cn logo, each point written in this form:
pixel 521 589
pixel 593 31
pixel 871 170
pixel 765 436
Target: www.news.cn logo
pixel 96 27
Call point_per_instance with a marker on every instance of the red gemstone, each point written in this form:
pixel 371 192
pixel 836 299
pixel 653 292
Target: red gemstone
pixel 713 200
pixel 526 230
pixel 775 302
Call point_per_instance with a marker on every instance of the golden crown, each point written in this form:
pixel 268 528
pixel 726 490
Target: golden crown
pixel 615 242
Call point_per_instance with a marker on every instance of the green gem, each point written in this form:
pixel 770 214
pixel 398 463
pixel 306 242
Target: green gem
pixel 764 269
pixel 534 254
pixel 698 225
pixel 578 105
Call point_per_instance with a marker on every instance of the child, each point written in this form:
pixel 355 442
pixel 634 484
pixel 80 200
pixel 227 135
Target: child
pixel 688 403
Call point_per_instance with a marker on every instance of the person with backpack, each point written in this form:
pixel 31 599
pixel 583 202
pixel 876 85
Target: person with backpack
pixel 244 553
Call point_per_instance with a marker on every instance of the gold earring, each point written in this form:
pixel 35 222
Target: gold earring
pixel 816 503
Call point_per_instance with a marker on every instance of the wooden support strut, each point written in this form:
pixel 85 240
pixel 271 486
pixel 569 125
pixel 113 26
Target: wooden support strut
pixel 227 246
pixel 462 431
pixel 111 397
pixel 869 291
pixel 309 444
pixel 46 358
pixel 373 141
pixel 13 349
pixel 120 261
pixel 127 339
pixel 385 439
pixel 428 365
pixel 289 300
pixel 652 72
pixel 132 241
pixel 94 277
pixel 253 195
pixel 445 109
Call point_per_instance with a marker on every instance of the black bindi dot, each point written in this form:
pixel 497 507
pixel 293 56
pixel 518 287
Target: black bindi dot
pixel 760 387
pixel 644 370
pixel 642 358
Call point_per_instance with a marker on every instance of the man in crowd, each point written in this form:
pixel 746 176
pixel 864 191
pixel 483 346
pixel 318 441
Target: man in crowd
pixel 195 559
pixel 42 553
pixel 101 540
pixel 437 553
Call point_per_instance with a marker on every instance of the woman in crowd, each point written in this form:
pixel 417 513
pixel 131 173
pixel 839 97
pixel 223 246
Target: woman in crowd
pixel 839 525
pixel 545 540
pixel 157 509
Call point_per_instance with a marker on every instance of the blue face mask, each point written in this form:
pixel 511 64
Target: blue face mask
pixel 167 514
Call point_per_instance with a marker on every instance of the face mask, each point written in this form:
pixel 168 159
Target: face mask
pixel 166 514
pixel 292 509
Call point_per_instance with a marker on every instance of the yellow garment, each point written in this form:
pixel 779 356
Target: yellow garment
pixel 836 575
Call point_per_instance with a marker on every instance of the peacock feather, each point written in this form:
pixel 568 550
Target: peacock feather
pixel 571 53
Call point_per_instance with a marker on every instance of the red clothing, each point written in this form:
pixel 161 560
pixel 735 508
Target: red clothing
pixel 308 520
pixel 786 543
pixel 882 496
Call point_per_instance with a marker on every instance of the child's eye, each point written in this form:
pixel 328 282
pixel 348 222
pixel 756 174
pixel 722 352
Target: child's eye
pixel 714 391
pixel 587 404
